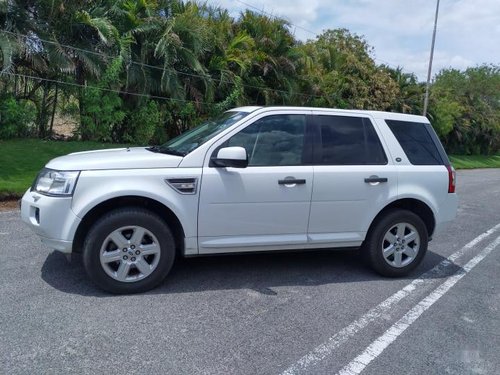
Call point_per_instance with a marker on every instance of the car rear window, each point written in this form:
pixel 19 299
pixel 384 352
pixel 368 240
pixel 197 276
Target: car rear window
pixel 416 142
pixel 347 140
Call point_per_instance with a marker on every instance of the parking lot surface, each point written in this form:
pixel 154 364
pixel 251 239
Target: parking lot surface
pixel 320 312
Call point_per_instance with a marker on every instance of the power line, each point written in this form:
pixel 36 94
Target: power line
pixel 162 68
pixel 273 16
pixel 103 88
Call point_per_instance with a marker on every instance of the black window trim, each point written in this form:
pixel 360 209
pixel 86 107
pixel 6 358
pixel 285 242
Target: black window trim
pixel 318 141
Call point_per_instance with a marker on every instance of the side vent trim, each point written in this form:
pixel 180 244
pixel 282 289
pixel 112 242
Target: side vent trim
pixel 183 185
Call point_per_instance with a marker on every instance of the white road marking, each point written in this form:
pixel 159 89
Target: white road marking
pixel 473 243
pixel 9 212
pixel 325 349
pixel 359 363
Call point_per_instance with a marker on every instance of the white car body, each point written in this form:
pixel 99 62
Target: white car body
pixel 245 209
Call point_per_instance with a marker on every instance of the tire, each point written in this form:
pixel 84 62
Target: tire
pixel 387 251
pixel 128 250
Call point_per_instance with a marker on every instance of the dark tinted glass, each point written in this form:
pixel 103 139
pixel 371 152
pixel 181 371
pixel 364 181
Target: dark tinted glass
pixel 349 141
pixel 416 142
pixel 273 141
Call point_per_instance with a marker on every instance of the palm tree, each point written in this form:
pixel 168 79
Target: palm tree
pixel 182 43
pixel 410 94
pixel 36 43
pixel 275 59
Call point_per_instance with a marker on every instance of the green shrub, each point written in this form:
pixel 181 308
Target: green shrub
pixel 101 108
pixel 142 124
pixel 70 108
pixel 102 113
pixel 16 117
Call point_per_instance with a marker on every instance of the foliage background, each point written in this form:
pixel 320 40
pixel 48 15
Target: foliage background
pixel 143 71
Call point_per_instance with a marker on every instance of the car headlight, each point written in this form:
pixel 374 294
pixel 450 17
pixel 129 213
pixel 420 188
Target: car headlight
pixel 56 183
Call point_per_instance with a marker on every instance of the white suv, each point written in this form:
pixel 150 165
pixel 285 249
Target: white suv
pixel 255 179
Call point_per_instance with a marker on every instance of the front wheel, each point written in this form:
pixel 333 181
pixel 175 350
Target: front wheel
pixel 128 250
pixel 397 243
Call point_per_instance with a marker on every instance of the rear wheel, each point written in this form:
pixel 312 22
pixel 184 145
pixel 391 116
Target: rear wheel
pixel 397 243
pixel 128 250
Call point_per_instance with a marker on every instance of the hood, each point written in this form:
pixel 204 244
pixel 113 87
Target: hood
pixel 116 158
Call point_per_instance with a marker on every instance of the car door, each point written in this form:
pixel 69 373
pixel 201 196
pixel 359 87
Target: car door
pixel 353 179
pixel 254 208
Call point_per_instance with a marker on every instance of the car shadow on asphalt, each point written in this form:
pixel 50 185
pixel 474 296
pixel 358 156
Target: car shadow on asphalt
pixel 258 272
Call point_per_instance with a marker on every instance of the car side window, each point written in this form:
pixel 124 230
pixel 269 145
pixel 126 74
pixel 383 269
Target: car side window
pixel 276 140
pixel 349 140
pixel 416 142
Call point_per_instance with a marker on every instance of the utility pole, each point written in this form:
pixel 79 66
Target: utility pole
pixel 429 71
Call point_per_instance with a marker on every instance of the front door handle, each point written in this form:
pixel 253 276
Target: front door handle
pixel 374 179
pixel 292 181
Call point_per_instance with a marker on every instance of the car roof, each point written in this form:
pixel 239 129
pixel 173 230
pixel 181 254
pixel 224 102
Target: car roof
pixel 374 114
pixel 246 109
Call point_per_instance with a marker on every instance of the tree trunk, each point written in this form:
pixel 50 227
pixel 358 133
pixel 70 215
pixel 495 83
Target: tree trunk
pixel 42 120
pixel 53 110
pixel 80 80
pixel 15 83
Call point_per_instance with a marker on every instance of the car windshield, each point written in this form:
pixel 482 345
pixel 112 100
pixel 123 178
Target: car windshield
pixel 194 138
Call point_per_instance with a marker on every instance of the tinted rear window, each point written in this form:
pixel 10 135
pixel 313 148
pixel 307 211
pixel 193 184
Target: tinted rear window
pixel 349 141
pixel 416 142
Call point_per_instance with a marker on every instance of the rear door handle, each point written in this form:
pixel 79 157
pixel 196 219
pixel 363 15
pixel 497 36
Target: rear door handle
pixel 292 181
pixel 373 179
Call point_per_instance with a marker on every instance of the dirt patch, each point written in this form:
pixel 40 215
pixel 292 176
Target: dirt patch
pixel 9 205
pixel 64 126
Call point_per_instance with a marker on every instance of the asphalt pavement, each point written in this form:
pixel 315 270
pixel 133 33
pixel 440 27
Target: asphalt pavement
pixel 320 312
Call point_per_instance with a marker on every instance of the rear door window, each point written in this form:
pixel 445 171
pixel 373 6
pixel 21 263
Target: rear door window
pixel 347 140
pixel 416 142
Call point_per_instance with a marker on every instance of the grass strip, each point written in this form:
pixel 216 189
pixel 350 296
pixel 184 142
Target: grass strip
pixel 22 159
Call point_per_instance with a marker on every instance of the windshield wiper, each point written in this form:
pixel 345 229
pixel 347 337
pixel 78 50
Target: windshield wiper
pixel 163 150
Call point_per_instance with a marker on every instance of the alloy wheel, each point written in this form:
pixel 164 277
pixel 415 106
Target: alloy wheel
pixel 400 245
pixel 130 254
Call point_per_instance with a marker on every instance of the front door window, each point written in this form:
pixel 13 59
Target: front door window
pixel 276 140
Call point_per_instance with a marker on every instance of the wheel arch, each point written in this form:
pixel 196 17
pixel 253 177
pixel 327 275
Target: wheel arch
pixel 158 208
pixel 414 205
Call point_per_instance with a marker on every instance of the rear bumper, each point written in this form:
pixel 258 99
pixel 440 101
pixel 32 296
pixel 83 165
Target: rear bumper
pixel 51 218
pixel 446 214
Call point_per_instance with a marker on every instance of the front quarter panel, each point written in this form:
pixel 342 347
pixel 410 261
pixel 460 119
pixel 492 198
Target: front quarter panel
pixel 95 187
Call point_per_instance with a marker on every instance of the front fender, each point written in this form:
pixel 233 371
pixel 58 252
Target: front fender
pixel 95 187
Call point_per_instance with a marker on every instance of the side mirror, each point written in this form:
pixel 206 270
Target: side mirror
pixel 235 157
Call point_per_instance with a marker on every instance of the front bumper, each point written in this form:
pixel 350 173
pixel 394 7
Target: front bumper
pixel 51 218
